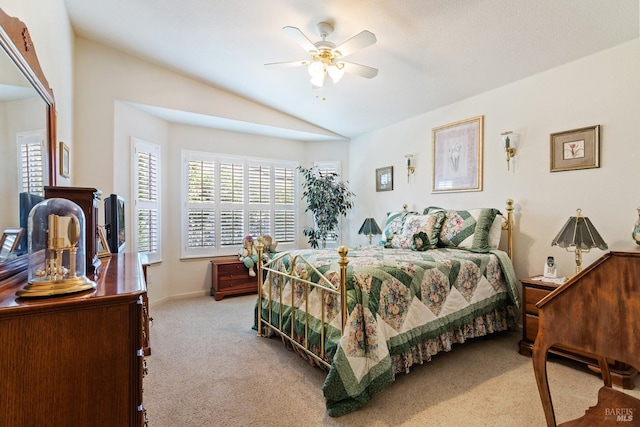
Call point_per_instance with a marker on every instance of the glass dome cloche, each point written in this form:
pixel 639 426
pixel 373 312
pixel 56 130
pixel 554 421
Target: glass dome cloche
pixel 56 241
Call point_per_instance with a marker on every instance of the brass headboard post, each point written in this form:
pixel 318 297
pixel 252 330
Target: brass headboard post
pixel 343 261
pixel 508 225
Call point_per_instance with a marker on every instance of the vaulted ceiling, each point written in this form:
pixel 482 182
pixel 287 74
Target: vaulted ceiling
pixel 429 53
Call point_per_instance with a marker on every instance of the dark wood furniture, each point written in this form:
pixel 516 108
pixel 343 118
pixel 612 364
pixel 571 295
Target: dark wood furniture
pixel 533 291
pixel 75 359
pixel 89 201
pixel 229 276
pixel 596 312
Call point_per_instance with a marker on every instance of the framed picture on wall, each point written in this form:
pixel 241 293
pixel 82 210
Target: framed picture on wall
pixel 64 160
pixel 384 179
pixel 457 156
pixel 575 149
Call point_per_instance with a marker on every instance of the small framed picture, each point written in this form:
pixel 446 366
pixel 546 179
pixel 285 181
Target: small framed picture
pixel 384 179
pixel 64 160
pixel 103 246
pixel 575 149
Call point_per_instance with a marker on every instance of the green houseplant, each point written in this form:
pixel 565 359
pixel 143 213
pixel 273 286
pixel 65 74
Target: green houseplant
pixel 328 198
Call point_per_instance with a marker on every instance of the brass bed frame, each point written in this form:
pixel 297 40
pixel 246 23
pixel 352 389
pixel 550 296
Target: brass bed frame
pixel 326 286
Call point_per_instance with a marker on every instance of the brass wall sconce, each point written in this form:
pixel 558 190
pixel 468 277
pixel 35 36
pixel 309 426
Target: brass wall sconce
pixel 509 140
pixel 410 167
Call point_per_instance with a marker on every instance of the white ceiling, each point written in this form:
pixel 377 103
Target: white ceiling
pixel 430 53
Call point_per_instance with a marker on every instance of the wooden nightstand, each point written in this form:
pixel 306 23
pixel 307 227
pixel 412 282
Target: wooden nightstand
pixel 533 291
pixel 229 276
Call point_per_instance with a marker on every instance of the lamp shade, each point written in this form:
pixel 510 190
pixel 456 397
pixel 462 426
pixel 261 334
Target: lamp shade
pixel 579 232
pixel 370 227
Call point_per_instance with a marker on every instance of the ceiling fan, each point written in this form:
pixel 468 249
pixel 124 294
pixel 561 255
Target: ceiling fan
pixel 326 57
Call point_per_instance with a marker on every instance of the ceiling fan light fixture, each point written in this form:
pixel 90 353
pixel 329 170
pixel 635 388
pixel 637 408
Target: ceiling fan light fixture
pixel 316 68
pixel 335 73
pixel 317 80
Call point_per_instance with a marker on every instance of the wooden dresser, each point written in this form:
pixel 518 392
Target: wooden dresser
pixel 229 276
pixel 75 360
pixel 533 291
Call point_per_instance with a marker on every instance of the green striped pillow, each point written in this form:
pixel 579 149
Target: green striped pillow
pixel 467 229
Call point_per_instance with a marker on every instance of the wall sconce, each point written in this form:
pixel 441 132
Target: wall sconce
pixel 509 140
pixel 410 167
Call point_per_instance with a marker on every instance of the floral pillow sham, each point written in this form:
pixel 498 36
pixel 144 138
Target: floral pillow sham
pixel 419 232
pixel 393 225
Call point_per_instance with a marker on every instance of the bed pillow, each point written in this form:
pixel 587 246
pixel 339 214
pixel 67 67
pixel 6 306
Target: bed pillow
pixel 469 229
pixel 495 232
pixel 419 232
pixel 393 225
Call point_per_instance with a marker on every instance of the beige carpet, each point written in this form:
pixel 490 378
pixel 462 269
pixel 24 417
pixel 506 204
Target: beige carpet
pixel 208 368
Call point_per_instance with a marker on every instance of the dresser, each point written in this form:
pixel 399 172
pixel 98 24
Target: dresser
pixel 229 276
pixel 75 359
pixel 533 291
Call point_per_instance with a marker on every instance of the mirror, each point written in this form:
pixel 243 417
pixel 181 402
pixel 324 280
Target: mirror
pixel 27 113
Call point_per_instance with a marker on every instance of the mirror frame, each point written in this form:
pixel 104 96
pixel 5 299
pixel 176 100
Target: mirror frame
pixel 16 41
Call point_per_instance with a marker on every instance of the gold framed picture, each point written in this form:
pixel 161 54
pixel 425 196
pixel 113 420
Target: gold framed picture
pixel 384 179
pixel 64 160
pixel 457 156
pixel 575 149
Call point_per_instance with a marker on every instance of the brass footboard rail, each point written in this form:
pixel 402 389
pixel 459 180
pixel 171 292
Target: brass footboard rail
pixel 324 285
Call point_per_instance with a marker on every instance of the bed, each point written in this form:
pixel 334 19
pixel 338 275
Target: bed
pixel 370 313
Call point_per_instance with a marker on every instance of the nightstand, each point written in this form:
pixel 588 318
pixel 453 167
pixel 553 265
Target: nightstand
pixel 533 291
pixel 229 276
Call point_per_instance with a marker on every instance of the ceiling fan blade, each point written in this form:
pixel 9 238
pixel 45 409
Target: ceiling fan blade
pixel 357 69
pixel 357 42
pixel 287 64
pixel 299 37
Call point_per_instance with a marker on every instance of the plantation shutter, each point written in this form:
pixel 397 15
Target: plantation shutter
pixel 228 198
pixel 31 163
pixel 259 199
pixel 201 204
pixel 232 230
pixel 147 196
pixel 284 207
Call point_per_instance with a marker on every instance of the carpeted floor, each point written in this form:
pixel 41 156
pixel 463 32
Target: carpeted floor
pixel 208 368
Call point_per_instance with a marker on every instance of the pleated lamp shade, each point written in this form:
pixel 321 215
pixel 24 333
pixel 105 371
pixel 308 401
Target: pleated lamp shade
pixel 370 228
pixel 579 232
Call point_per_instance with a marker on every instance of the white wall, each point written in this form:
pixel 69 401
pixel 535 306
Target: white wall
pixel 106 82
pixel 600 89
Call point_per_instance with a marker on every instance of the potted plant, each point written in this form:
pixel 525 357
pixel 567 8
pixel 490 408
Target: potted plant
pixel 328 198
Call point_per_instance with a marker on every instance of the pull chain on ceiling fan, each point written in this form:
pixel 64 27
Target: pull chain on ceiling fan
pixel 326 57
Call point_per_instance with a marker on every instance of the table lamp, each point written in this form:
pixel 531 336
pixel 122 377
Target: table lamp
pixel 579 232
pixel 370 227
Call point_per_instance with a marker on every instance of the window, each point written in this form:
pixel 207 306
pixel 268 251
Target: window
pixel 227 198
pixel 146 193
pixel 31 162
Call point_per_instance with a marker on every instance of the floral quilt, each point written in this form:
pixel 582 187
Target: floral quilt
pixel 404 306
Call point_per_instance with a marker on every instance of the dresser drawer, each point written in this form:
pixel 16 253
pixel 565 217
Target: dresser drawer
pixel 531 329
pixel 233 270
pixel 228 282
pixel 532 296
